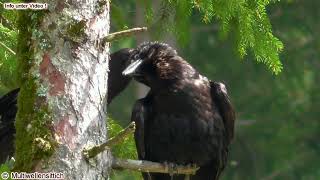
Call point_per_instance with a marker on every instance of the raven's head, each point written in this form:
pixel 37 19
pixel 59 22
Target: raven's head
pixel 152 63
pixel 116 81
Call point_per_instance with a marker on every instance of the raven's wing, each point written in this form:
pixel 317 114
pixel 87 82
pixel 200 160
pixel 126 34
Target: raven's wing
pixel 8 109
pixel 8 100
pixel 222 100
pixel 140 114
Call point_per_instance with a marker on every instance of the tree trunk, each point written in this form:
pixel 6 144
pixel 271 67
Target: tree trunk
pixel 62 102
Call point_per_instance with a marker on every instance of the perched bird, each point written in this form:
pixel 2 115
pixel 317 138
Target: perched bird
pixel 184 119
pixel 8 103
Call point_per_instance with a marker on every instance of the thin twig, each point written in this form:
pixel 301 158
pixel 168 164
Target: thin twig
pixel 91 152
pixel 121 135
pixel 151 167
pixel 6 47
pixel 245 122
pixel 124 33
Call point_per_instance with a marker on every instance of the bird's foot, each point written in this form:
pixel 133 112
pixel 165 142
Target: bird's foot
pixel 172 168
pixel 192 166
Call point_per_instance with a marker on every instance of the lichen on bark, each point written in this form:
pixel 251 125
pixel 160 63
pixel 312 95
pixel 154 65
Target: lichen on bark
pixel 63 88
pixel 75 30
pixel 33 118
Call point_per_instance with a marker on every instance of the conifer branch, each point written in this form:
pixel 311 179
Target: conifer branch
pixel 91 152
pixel 7 48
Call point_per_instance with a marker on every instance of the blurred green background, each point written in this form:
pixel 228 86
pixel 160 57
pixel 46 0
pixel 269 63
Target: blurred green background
pixel 278 117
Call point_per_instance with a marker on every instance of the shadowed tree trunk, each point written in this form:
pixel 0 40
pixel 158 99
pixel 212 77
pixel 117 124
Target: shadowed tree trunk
pixel 61 105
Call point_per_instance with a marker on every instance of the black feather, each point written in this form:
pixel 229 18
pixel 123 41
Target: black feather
pixel 8 110
pixel 183 115
pixel 116 81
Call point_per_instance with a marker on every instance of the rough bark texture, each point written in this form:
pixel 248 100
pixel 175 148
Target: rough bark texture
pixel 63 84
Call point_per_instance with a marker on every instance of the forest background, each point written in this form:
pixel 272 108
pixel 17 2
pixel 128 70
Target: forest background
pixel 278 116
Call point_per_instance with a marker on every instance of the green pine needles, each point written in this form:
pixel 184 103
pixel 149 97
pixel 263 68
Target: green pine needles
pixel 248 20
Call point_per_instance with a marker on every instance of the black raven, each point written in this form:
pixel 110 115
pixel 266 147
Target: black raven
pixel 119 60
pixel 184 119
pixel 8 103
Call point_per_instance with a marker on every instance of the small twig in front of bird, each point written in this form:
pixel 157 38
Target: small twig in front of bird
pixel 7 48
pixel 90 152
pixel 151 167
pixel 125 33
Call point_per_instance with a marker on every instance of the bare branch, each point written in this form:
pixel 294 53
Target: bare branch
pixel 136 165
pixel 153 167
pixel 7 48
pixel 124 33
pixel 245 122
pixel 121 135
pixel 91 152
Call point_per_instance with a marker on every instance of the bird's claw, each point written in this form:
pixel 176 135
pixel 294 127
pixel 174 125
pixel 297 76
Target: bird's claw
pixel 172 168
pixel 192 166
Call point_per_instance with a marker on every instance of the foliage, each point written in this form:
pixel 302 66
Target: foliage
pixel 248 20
pixel 6 167
pixel 8 62
pixel 125 150
pixel 8 40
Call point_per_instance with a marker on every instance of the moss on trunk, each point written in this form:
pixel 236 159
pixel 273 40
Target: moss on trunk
pixel 34 140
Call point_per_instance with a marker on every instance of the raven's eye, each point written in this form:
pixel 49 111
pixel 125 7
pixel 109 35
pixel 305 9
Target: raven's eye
pixel 136 56
pixel 143 55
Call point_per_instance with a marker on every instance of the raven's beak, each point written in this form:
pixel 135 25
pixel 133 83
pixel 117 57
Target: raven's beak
pixel 132 68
